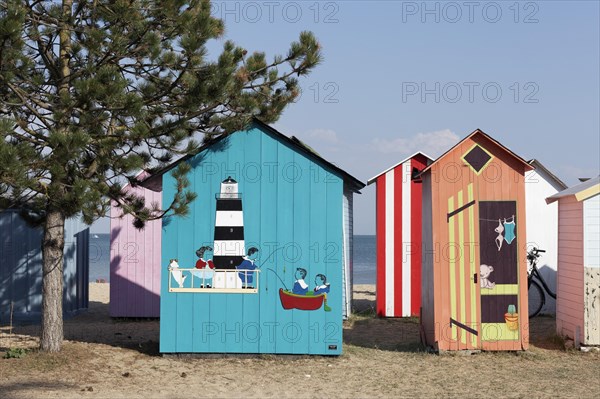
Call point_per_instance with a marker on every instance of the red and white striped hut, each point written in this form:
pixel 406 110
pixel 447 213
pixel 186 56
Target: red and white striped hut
pixel 399 237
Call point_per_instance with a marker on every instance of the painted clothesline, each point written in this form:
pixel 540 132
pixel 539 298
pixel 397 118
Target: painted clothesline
pixel 469 204
pixel 496 220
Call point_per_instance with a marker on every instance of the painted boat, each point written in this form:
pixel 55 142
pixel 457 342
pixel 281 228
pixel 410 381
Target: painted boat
pixel 302 302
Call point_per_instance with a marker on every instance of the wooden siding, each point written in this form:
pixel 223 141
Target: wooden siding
pixel 591 262
pixel 450 180
pixel 348 252
pixel 427 269
pixel 569 305
pixel 76 266
pixel 542 227
pixel 21 268
pixel 399 240
pixel 292 213
pixel 135 257
pixel 591 231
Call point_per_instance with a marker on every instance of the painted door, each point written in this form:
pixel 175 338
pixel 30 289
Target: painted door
pixel 499 271
pixel 463 274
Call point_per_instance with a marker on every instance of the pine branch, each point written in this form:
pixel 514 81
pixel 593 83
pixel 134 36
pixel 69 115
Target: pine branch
pixel 32 110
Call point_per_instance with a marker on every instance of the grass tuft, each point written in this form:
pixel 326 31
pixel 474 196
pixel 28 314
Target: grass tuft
pixel 15 353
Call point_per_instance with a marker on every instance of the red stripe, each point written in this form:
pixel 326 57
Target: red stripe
pixel 416 230
pixel 380 220
pixel 398 244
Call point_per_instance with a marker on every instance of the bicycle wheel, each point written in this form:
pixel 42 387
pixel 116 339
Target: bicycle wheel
pixel 536 298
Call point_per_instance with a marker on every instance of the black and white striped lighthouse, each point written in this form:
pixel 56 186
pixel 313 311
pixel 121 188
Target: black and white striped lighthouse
pixel 229 247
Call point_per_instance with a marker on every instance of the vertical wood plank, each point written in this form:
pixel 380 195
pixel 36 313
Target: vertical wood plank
pixel 333 319
pixel 381 240
pixel 285 239
pixel 270 306
pixel 301 240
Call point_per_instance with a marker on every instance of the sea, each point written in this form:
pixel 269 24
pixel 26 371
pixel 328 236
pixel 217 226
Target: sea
pixel 99 257
pixel 364 258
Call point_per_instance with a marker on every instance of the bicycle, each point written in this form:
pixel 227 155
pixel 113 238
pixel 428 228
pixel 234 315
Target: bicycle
pixel 537 298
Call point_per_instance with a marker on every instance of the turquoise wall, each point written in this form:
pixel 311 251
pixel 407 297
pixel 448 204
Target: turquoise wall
pixel 293 214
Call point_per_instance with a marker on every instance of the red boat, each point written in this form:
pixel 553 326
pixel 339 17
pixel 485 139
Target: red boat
pixel 302 302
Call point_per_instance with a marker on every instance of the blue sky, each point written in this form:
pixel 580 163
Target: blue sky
pixel 400 76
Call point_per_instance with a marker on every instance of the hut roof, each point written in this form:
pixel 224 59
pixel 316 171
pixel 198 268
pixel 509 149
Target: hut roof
pixel 374 178
pixel 581 191
pixel 479 132
pixel 538 165
pixel 355 184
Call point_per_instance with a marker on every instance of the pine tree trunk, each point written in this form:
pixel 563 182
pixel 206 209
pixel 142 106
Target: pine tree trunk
pixel 54 230
pixel 52 281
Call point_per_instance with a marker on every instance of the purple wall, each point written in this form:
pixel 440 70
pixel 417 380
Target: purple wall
pixel 135 263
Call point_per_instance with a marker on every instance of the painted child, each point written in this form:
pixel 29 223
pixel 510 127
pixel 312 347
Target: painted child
pixel 322 288
pixel 247 268
pixel 300 286
pixel 206 265
pixel 321 284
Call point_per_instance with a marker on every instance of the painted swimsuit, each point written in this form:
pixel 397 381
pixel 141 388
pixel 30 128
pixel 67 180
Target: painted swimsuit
pixel 509 231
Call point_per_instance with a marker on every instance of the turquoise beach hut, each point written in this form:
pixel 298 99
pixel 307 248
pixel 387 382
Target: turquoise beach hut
pixel 262 264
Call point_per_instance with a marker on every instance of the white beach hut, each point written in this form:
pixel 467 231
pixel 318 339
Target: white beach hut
pixel 542 223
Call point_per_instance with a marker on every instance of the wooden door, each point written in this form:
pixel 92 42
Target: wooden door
pixel 463 271
pixel 499 272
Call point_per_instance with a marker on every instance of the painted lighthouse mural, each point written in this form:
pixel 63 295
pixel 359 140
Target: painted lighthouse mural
pixel 229 246
pixel 231 269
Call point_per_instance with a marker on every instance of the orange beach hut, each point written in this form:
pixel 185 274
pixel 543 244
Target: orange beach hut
pixel 474 273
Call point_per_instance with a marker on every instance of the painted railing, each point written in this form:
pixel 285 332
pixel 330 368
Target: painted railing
pixel 213 280
pixel 228 196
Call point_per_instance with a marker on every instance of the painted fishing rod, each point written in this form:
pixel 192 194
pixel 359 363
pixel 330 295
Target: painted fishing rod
pixel 271 270
pixel 274 272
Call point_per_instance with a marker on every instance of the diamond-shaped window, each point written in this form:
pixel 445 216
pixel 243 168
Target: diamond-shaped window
pixel 477 158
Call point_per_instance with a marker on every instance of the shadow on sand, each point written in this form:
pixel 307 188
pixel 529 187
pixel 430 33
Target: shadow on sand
pixel 363 329
pixel 96 326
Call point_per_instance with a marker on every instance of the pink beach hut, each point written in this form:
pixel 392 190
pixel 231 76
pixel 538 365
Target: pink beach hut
pixel 398 212
pixel 135 260
pixel 578 287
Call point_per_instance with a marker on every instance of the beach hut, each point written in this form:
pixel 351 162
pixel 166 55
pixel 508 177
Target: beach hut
pixel 578 288
pixel 398 215
pixel 262 264
pixel 135 258
pixel 474 276
pixel 21 268
pixel 542 223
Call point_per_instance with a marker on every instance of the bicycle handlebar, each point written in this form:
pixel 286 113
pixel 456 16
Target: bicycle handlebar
pixel 535 251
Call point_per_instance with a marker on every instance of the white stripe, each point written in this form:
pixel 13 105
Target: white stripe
pixel 389 243
pixel 229 218
pixel 227 280
pixel 406 238
pixel 229 248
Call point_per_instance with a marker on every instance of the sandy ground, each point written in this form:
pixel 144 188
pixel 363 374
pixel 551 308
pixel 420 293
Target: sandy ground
pixel 107 358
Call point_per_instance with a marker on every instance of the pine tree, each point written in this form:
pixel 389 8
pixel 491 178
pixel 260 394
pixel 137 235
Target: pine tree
pixel 93 91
